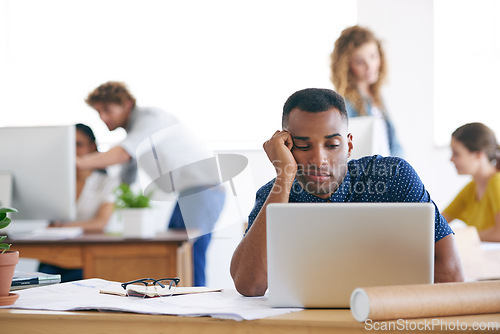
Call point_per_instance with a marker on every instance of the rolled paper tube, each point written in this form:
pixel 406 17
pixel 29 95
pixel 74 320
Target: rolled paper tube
pixel 425 300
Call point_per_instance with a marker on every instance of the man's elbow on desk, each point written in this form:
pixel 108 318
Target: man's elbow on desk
pixel 249 284
pixel 250 288
pixel 448 273
pixel 447 266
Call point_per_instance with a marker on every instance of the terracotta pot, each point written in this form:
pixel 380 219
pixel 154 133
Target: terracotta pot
pixel 8 261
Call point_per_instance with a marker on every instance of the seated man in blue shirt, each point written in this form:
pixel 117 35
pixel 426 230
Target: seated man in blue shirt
pixel 310 157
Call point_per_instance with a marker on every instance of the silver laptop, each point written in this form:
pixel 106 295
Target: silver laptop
pixel 318 253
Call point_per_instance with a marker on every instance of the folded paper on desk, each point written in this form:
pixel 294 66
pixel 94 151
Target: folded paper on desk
pixel 425 300
pixel 84 295
pixel 140 291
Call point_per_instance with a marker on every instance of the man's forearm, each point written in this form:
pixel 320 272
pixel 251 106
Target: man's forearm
pixel 447 266
pixel 491 234
pixel 98 160
pixel 249 262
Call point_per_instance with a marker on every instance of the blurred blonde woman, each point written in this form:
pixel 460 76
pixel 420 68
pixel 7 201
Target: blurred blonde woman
pixel 475 152
pixel 358 71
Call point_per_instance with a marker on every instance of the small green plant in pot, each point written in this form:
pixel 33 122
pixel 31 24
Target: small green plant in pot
pixel 8 262
pixel 4 222
pixel 135 211
pixel 126 198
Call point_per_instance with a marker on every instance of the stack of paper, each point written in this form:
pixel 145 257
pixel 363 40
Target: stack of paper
pixel 51 233
pixel 85 295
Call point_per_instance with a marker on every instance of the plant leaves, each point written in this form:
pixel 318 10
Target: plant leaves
pixel 5 246
pixel 5 222
pixel 2 237
pixel 127 199
pixel 5 210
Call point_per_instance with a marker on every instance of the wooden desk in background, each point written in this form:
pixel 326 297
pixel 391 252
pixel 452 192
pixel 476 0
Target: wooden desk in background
pixel 115 258
pixel 306 321
pixel 478 264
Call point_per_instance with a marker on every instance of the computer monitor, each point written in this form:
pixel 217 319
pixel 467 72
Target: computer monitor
pixel 368 136
pixel 41 163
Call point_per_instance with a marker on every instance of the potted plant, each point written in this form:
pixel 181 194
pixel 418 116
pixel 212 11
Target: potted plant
pixel 135 212
pixel 8 262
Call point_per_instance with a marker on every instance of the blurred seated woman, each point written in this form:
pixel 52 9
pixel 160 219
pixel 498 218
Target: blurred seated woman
pixel 94 195
pixel 475 152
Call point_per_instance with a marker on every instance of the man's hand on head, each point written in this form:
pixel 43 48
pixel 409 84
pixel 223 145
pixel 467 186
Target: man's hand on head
pixel 279 152
pixel 101 160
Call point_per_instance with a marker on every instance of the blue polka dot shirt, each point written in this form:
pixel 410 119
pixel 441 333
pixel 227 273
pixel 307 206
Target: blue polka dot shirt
pixel 369 179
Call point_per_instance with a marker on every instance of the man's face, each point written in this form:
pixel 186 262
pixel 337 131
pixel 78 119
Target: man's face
pixel 112 114
pixel 321 146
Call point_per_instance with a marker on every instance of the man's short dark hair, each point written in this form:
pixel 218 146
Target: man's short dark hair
pixel 314 100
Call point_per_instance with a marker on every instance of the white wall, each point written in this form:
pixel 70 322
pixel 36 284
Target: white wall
pixel 407 31
pixel 216 64
pixel 225 67
pixel 467 65
pixel 406 27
